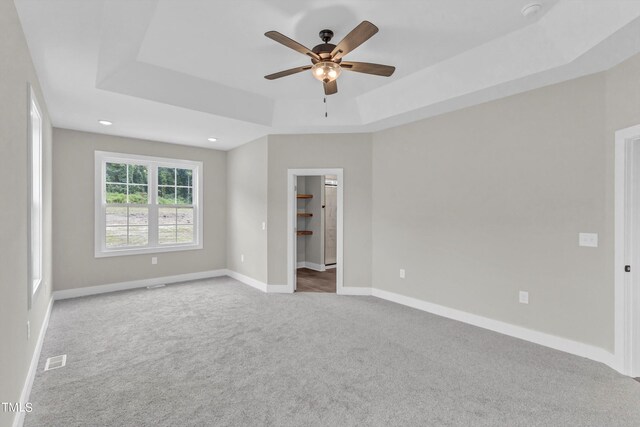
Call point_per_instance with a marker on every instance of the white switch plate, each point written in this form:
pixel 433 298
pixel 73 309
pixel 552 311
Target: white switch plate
pixel 28 330
pixel 589 240
pixel 524 297
pixel 264 225
pixel 242 258
pixel 154 260
pixel 402 273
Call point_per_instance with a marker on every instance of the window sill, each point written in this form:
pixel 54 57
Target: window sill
pixel 143 251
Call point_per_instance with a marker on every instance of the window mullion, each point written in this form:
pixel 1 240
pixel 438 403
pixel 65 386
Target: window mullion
pixel 153 204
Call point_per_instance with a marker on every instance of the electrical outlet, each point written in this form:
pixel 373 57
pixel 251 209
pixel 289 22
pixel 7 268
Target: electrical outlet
pixel 589 240
pixel 524 297
pixel 242 258
pixel 28 330
pixel 154 260
pixel 402 273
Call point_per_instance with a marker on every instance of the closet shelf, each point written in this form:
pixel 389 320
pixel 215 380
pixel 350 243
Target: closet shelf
pixel 305 214
pixel 305 196
pixel 304 233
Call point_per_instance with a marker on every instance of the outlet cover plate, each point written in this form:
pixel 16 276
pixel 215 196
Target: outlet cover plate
pixel 588 240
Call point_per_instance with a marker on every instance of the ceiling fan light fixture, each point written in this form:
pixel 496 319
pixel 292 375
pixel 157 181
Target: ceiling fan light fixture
pixel 326 71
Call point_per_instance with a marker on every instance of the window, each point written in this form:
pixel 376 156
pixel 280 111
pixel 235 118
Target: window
pixel 147 204
pixel 35 194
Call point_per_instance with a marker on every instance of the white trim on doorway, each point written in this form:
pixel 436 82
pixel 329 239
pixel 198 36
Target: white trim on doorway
pixel 292 175
pixel 627 350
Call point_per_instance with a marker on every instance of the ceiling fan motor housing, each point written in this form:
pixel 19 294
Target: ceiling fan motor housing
pixel 324 50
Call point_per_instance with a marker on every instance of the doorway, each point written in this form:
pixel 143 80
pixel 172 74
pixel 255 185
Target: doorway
pixel 627 251
pixel 316 243
pixel 315 230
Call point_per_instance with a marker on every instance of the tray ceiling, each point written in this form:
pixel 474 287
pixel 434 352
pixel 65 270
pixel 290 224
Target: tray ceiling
pixel 182 71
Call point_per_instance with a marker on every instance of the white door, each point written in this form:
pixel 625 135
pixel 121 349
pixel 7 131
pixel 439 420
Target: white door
pixel 330 224
pixel 295 233
pixel 632 252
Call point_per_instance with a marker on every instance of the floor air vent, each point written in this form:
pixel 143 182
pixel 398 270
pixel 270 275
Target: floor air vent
pixel 55 362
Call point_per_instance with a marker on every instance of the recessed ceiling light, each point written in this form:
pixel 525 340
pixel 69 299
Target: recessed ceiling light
pixel 105 122
pixel 531 9
pixel 212 139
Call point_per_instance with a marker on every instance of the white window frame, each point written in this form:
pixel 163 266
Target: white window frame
pixel 152 163
pixel 34 142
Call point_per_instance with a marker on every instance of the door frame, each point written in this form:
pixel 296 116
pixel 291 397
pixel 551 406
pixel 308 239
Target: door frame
pixel 627 289
pixel 292 219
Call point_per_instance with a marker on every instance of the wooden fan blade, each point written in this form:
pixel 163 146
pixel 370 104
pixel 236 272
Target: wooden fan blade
pixel 360 34
pixel 367 68
pixel 331 88
pixel 287 72
pixel 292 44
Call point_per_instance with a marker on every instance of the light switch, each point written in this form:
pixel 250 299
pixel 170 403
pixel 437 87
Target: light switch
pixel 589 240
pixel 524 297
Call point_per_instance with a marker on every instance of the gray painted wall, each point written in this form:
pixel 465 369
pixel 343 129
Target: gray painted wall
pixel 16 350
pixel 247 209
pixel 481 203
pixel 73 211
pixel 352 152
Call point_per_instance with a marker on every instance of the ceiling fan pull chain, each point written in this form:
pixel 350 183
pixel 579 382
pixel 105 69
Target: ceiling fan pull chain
pixel 326 110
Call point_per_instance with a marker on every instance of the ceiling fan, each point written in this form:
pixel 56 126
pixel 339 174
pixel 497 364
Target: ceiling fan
pixel 326 58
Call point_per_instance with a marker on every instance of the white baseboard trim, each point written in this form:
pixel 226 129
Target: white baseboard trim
pixel 143 283
pixel 275 289
pixel 247 280
pixel 547 340
pixel 354 290
pixel 311 266
pixel 278 289
pixel 18 420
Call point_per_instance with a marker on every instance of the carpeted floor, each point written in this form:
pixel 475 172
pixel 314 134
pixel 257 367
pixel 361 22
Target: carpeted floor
pixel 217 352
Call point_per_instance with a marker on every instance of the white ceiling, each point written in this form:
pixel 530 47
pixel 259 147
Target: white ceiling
pixel 181 71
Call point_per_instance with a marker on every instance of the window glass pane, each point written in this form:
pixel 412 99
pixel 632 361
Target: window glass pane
pixel 166 195
pixel 185 177
pixel 185 234
pixel 116 193
pixel 116 237
pixel 138 216
pixel 185 216
pixel 166 216
pixel 166 176
pixel 166 234
pixel 116 215
pixel 35 232
pixel 138 194
pixel 138 235
pixel 137 174
pixel 184 196
pixel 127 192
pixel 117 172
